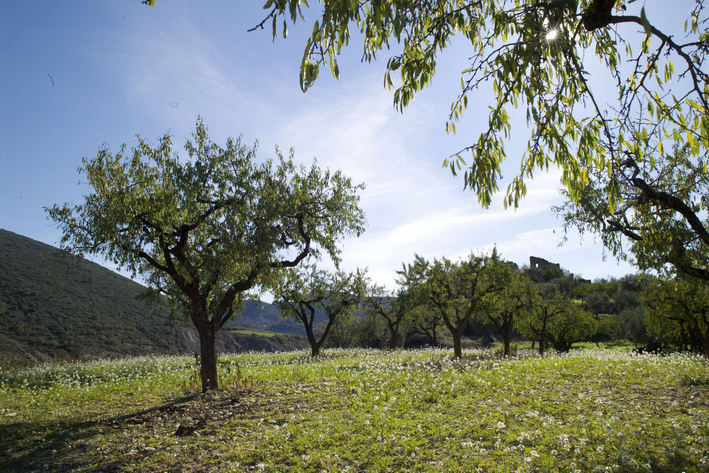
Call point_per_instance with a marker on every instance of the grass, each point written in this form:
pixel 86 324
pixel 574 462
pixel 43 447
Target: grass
pixel 261 333
pixel 362 411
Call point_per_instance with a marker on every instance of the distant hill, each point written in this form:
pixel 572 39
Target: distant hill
pixel 53 305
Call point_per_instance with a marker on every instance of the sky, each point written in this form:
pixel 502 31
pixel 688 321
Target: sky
pixel 79 75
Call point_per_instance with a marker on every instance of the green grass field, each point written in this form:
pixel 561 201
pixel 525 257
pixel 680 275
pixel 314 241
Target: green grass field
pixel 362 411
pixel 248 331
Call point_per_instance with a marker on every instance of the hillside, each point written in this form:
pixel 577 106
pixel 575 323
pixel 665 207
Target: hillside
pixel 53 305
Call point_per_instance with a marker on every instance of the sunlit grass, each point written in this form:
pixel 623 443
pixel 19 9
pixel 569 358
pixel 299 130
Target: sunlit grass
pixel 364 411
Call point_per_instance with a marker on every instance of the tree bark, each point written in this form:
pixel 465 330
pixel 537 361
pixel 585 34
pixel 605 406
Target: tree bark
pixel 434 336
pixel 393 332
pixel 506 341
pixel 457 345
pixel 208 357
pixel 314 345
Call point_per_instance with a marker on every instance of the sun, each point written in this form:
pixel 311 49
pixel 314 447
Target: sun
pixel 552 34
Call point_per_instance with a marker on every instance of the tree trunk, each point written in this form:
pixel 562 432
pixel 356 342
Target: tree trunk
pixel 506 341
pixel 542 336
pixel 314 345
pixel 457 346
pixel 392 337
pixel 208 357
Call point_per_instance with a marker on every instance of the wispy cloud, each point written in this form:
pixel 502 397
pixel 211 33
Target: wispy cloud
pixel 413 205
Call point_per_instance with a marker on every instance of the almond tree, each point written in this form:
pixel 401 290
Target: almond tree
pixel 504 307
pixel 205 228
pixel 607 127
pixel 392 307
pixel 308 292
pixel 556 319
pixel 679 311
pixel 456 290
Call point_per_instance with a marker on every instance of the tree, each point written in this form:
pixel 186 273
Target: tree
pixel 456 290
pixel 204 229
pixel 506 305
pixel 420 317
pixel 556 319
pixel 305 293
pixel 679 313
pixel 390 307
pixel 533 53
pixel 661 219
pixel 574 324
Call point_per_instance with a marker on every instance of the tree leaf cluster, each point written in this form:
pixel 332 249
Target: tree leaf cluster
pixel 533 54
pixel 206 228
pixel 307 292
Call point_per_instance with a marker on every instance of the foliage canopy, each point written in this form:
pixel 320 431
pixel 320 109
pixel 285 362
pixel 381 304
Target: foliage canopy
pixel 605 87
pixel 206 229
pixel 536 56
pixel 309 292
pixel 679 313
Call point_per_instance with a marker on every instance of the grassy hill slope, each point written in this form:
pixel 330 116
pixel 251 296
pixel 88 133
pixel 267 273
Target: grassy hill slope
pixel 54 305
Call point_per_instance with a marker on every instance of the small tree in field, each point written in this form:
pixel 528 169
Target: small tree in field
pixel 679 313
pixel 204 229
pixel 503 308
pixel 390 307
pixel 420 317
pixel 305 293
pixel 556 319
pixel 457 290
pixel 574 324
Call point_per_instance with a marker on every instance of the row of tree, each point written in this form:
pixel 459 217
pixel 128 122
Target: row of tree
pixel 484 295
pixel 634 167
pixel 215 227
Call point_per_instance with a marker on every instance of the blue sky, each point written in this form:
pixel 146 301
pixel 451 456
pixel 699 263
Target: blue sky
pixel 76 75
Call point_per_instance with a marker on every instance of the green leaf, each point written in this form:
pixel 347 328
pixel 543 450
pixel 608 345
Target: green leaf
pixel 645 22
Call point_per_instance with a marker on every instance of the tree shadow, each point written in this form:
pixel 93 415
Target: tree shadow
pixel 50 446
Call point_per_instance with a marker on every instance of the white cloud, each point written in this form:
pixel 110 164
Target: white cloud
pixel 412 204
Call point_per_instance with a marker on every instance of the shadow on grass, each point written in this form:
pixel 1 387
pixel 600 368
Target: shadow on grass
pixel 52 446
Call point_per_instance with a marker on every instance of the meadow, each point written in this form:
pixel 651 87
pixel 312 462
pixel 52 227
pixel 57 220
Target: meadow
pixel 592 410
